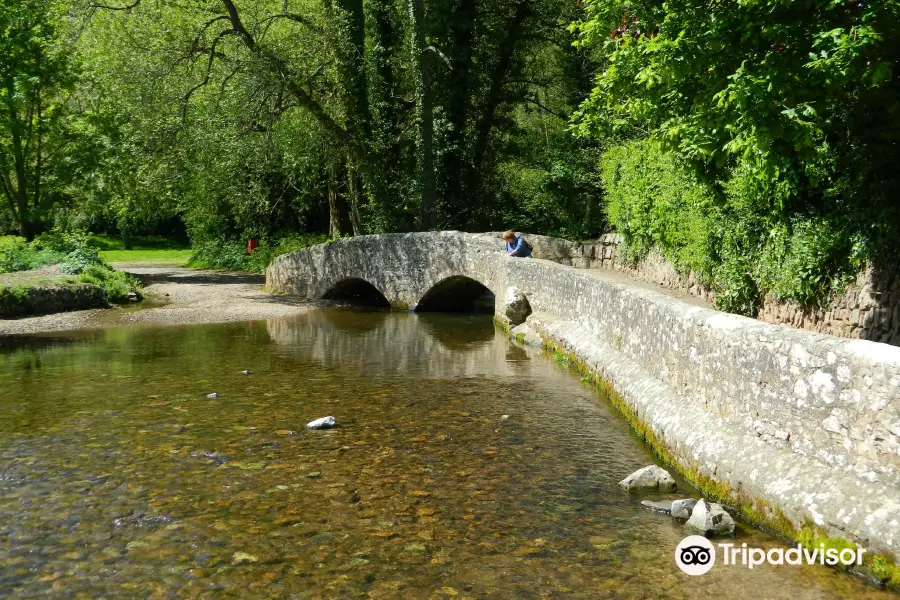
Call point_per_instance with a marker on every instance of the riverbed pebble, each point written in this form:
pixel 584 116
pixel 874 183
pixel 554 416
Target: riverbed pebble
pixel 322 423
pixel 212 396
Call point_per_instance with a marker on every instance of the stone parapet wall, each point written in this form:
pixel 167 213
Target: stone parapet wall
pixel 869 308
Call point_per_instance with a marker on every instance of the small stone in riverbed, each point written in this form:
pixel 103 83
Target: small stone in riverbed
pixel 710 519
pixel 504 417
pixel 323 423
pixel 284 432
pixel 246 372
pixel 314 475
pixel 242 558
pixel 212 396
pixel 649 478
pixel 681 509
pixel 660 507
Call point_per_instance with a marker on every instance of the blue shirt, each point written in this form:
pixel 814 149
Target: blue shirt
pixel 518 244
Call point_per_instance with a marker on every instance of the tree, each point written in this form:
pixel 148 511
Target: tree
pixel 34 77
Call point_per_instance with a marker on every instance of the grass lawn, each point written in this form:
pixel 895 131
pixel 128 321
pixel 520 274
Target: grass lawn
pixel 144 249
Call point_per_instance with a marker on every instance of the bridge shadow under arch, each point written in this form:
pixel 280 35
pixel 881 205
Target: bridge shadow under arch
pixel 457 294
pixel 357 292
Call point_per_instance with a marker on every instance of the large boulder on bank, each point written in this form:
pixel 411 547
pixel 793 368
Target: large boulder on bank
pixel 710 519
pixel 515 306
pixel 682 509
pixel 649 478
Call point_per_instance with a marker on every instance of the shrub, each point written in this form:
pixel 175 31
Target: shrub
pixel 736 236
pixel 116 285
pixel 232 254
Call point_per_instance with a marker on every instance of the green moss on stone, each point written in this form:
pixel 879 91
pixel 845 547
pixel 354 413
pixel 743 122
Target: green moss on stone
pixel 501 324
pixel 756 511
pixel 399 305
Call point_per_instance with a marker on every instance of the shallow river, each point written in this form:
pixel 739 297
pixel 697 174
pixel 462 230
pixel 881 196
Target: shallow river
pixel 120 479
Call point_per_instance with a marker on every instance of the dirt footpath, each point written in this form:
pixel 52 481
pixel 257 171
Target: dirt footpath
pixel 176 296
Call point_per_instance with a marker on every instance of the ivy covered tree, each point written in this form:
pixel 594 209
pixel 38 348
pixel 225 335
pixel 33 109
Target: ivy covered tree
pixel 788 111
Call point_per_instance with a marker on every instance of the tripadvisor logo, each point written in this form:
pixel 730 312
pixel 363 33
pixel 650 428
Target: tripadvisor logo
pixel 696 555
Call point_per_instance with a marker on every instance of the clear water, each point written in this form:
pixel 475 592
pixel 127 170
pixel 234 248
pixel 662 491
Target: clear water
pixel 120 479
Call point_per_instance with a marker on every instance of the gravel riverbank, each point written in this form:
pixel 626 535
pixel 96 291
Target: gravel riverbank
pixel 180 296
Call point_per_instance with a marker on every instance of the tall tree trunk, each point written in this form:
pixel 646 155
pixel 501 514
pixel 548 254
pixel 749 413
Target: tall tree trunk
pixel 334 212
pixel 425 117
pixel 25 229
pixel 500 72
pixel 386 130
pixel 20 193
pixel 462 31
pixel 355 196
pixel 352 66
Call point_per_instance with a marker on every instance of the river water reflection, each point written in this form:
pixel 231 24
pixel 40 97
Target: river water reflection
pixel 119 478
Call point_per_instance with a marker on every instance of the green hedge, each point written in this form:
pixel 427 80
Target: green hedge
pixel 734 235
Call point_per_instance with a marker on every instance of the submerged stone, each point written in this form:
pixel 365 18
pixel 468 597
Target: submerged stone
pixel 212 396
pixel 664 507
pixel 323 423
pixel 651 477
pixel 242 558
pixel 710 519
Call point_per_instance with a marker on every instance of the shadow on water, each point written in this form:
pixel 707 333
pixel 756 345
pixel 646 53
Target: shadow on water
pixel 458 332
pixel 355 319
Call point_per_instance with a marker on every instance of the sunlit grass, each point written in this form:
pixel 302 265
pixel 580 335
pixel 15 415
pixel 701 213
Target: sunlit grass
pixel 180 257
pixel 144 250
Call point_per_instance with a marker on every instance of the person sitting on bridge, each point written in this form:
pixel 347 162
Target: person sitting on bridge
pixel 516 245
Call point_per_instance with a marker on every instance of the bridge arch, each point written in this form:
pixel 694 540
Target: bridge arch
pixel 356 290
pixel 457 293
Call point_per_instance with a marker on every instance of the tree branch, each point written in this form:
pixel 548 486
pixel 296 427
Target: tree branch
pixel 441 55
pixel 205 82
pixel 6 184
pixel 276 66
pixel 107 7
pixel 547 110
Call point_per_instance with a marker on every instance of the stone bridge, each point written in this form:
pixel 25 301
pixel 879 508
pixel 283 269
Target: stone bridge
pixel 440 271
pixel 795 429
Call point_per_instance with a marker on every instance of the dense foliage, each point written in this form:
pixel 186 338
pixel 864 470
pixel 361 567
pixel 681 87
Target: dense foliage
pixel 74 257
pixel 776 124
pixel 753 142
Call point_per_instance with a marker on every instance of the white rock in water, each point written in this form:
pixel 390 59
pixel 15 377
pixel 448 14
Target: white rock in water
pixel 649 478
pixel 212 396
pixel 710 519
pixel 323 423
